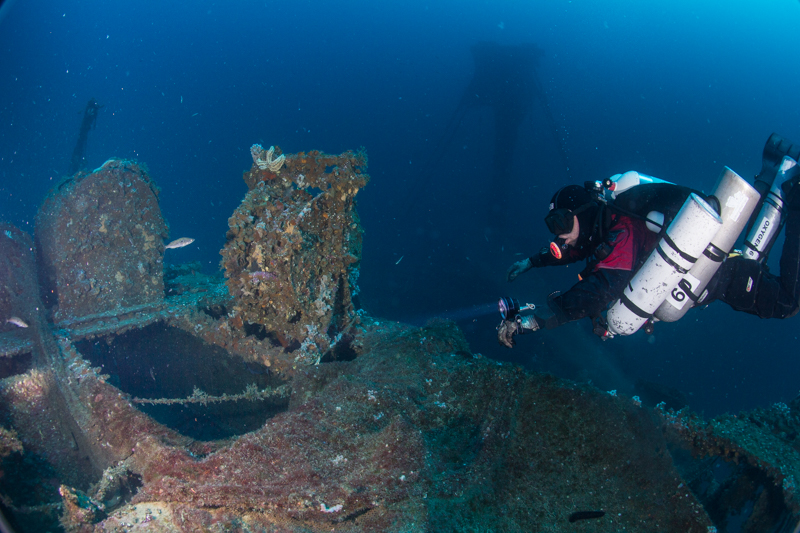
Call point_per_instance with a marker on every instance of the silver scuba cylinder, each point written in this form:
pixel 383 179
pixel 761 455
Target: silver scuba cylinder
pixel 738 200
pixel 685 239
pixel 768 223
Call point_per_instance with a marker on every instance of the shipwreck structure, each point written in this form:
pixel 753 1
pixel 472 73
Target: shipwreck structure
pixel 136 395
pixel 100 243
pixel 294 247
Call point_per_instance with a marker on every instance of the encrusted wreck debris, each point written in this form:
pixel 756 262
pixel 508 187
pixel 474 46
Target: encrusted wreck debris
pixel 109 362
pixel 269 402
pixel 100 242
pixel 418 434
pixel 293 249
pixel 747 461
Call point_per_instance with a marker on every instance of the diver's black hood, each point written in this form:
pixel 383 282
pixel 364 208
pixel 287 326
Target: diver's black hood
pixel 590 227
pixel 570 197
pixel 589 213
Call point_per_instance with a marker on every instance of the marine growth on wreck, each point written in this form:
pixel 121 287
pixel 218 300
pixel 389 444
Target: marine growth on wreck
pixel 294 246
pixel 142 396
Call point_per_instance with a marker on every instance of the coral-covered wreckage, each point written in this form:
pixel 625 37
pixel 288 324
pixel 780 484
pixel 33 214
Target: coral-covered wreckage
pixel 139 396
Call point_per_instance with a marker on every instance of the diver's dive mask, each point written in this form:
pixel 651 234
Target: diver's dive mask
pixel 560 222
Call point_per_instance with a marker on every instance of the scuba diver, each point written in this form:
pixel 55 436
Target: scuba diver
pixel 655 249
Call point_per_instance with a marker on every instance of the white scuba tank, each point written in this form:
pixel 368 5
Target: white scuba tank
pixel 737 200
pixel 685 239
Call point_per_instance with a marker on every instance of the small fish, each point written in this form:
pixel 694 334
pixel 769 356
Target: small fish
pixel 17 322
pixel 398 261
pixel 195 114
pixel 586 515
pixel 180 243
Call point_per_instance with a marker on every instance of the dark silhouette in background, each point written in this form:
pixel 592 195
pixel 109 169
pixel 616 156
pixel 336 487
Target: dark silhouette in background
pixel 505 81
pixel 89 122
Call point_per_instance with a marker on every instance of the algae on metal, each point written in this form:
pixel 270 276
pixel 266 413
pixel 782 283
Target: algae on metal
pixel 293 251
pixel 417 433
pixel 100 242
pixel 762 448
pixel 407 431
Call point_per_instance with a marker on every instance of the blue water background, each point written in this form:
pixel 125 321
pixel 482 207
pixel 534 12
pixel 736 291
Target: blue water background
pixel 676 89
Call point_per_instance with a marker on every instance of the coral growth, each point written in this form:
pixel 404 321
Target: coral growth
pixel 266 160
pixel 293 249
pixel 9 443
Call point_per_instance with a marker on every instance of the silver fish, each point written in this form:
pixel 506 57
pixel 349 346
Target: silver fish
pixel 17 322
pixel 180 243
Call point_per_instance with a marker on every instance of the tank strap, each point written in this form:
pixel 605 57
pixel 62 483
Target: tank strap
pixel 686 287
pixel 684 255
pixel 715 253
pixel 669 260
pixel 635 309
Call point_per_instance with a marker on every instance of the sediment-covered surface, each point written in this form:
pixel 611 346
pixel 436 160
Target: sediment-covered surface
pixel 415 433
pixel 418 434
pixel 744 467
pixel 100 242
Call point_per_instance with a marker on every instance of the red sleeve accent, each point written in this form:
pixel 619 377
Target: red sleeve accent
pixel 630 240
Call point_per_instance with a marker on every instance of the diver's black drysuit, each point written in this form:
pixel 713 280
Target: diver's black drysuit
pixel 744 284
pixel 622 242
pixel 747 285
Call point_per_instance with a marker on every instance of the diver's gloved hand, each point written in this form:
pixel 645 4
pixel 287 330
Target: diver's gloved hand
pixel 508 328
pixel 505 333
pixel 518 268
